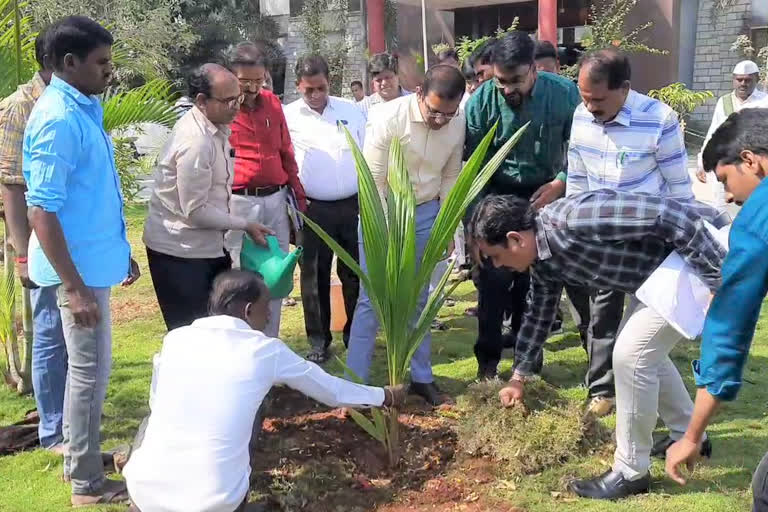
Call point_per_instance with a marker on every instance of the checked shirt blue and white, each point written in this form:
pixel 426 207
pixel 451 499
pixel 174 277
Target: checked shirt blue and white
pixel 611 240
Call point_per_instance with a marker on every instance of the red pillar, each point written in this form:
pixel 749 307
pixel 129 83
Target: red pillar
pixel 376 34
pixel 548 21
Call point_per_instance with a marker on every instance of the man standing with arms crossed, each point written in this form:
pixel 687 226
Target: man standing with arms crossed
pixel 266 175
pixel 317 123
pixel 49 351
pixel 79 243
pixel 620 140
pixel 534 169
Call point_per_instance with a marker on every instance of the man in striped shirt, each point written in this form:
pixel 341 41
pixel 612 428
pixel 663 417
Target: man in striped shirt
pixel 624 141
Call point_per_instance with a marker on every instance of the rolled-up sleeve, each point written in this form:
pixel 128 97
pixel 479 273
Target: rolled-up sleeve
pixel 12 121
pixel 730 323
pixel 50 157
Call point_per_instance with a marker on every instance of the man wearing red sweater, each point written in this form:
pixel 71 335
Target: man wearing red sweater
pixel 266 174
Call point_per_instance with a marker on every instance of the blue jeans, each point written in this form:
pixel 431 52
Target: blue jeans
pixel 49 364
pixel 362 336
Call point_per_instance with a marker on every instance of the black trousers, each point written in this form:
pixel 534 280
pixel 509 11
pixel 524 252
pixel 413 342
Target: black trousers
pixel 182 285
pixel 338 219
pixel 603 310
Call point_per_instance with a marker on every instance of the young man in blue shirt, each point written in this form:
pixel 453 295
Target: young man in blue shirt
pixel 738 153
pixel 79 243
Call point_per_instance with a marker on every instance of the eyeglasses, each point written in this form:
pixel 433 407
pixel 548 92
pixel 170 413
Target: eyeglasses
pixel 436 114
pixel 230 102
pixel 518 80
pixel 248 83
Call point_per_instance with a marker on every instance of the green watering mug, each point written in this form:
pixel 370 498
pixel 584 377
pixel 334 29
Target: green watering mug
pixel 275 266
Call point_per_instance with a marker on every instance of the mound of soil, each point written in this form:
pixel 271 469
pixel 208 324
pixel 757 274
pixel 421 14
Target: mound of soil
pixel 311 458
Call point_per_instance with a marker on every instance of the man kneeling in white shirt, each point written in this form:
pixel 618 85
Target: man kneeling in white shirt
pixel 211 380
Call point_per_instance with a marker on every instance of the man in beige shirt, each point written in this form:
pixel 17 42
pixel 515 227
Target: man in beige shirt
pixel 189 211
pixel 431 130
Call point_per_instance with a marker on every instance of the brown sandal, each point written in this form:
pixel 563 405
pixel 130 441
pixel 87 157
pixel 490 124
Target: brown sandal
pixel 112 492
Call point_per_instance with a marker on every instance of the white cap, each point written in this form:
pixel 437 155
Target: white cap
pixel 746 67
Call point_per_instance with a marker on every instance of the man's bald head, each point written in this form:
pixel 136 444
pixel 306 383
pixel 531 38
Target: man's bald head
pixel 216 92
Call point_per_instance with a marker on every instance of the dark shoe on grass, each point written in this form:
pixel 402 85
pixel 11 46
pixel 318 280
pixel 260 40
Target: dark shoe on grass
pixel 318 355
pixel 486 371
pixel 611 485
pixel 428 391
pixel 661 446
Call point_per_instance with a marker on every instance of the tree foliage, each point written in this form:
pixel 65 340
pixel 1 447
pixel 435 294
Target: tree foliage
pixel 324 27
pixel 743 45
pixel 681 99
pixel 467 46
pixel 607 27
pixel 148 33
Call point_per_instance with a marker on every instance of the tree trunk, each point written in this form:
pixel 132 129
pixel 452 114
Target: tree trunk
pixel 393 437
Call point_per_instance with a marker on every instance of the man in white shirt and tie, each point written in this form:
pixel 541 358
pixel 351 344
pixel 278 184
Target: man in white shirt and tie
pixel 210 381
pixel 746 76
pixel 317 123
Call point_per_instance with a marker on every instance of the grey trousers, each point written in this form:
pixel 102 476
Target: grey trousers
pixel 90 362
pixel 271 211
pixel 760 487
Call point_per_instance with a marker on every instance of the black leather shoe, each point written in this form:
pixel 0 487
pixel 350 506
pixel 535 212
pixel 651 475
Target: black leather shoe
pixel 429 392
pixel 610 486
pixel 661 446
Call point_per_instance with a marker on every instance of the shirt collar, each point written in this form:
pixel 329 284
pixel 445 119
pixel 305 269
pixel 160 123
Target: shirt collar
pixel 221 322
pixel 61 85
pixel 213 129
pixel 328 107
pixel 542 245
pixel 38 86
pixel 756 95
pixel 624 117
pixel 414 113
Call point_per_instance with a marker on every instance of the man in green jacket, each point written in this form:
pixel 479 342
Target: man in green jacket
pixel 535 169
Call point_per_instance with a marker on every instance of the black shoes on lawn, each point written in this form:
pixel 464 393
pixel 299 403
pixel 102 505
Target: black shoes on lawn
pixel 486 371
pixel 661 446
pixel 428 391
pixel 610 486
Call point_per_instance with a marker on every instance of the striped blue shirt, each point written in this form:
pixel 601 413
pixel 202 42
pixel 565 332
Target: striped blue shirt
pixel 640 150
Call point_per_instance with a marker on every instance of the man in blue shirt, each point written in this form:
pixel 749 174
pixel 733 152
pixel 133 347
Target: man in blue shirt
pixel 79 243
pixel 738 153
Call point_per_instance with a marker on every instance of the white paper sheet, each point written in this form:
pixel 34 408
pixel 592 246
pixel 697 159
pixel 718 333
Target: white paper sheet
pixel 676 292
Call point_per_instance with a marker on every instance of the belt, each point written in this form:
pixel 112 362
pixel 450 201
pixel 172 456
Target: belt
pixel 349 198
pixel 257 191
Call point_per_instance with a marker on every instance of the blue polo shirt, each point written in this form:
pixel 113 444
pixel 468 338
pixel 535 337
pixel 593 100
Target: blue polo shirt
pixel 730 324
pixel 69 168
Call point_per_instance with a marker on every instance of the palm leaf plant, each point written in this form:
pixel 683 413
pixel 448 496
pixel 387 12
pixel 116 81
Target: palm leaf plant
pixel 395 276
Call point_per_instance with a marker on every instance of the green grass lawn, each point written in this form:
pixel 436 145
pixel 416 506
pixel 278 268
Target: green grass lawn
pixel 31 481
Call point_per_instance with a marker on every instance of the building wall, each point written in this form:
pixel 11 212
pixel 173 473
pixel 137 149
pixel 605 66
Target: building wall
pixel 293 44
pixel 714 60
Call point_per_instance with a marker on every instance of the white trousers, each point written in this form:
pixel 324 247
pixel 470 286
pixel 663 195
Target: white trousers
pixel 272 212
pixel 648 385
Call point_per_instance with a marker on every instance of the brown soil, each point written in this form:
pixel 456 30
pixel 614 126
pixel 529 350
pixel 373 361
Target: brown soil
pixel 314 459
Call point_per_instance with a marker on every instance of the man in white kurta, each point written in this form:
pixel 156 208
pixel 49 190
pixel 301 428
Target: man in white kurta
pixel 745 94
pixel 211 380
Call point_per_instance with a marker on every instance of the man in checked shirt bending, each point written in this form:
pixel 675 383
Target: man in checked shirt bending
pixel 607 240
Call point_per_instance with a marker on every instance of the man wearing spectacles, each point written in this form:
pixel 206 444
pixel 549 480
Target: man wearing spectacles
pixel 189 211
pixel 431 129
pixel 266 174
pixel 533 170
